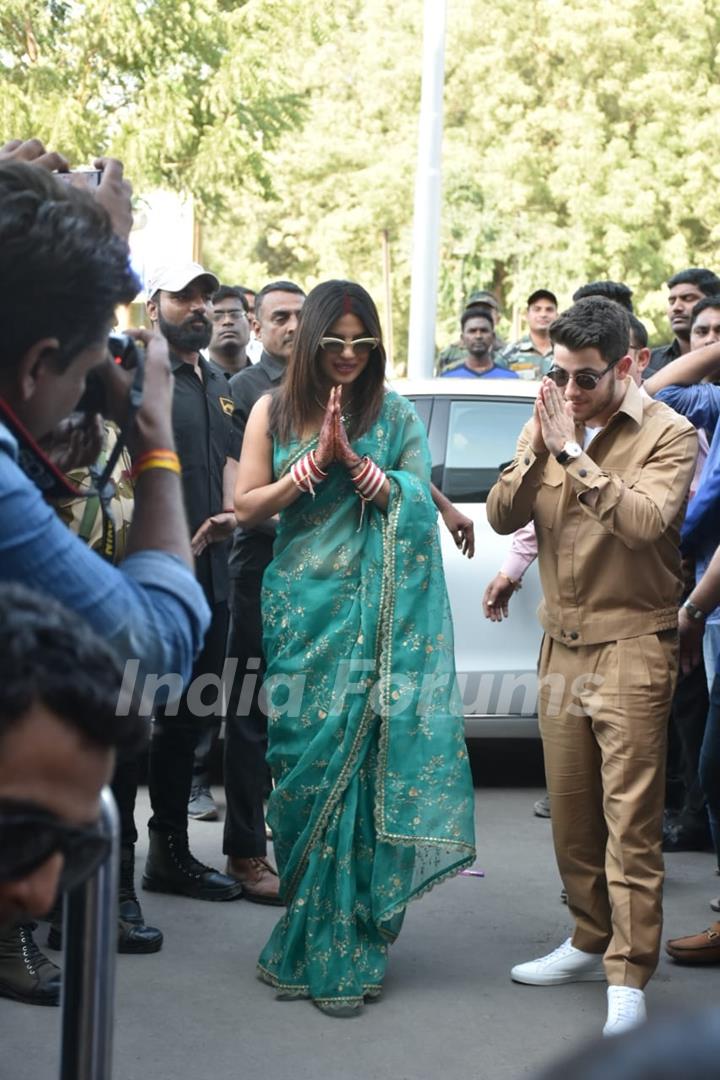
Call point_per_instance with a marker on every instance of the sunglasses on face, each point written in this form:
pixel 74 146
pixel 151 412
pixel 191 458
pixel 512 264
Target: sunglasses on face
pixel 584 380
pixel 335 346
pixel 29 836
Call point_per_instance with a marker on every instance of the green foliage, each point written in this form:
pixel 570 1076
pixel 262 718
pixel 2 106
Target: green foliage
pixel 591 129
pixel 578 145
pixel 579 137
pixel 181 90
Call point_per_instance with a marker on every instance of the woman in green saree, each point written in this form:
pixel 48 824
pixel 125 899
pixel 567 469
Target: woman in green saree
pixel 373 800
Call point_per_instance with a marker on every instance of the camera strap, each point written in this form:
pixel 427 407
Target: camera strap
pixel 103 487
pixel 35 463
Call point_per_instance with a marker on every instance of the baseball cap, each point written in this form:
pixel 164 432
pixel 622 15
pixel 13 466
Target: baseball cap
pixel 482 296
pixel 542 294
pixel 175 276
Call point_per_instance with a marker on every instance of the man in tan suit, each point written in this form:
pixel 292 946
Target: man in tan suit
pixel 603 472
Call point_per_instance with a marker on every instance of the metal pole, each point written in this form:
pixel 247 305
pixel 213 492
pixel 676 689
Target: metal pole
pixel 387 279
pixel 426 223
pixel 90 935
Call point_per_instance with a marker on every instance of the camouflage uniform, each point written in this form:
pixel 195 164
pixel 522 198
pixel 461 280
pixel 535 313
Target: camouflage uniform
pixel 83 516
pixel 523 357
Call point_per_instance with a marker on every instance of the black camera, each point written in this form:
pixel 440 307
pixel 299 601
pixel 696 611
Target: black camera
pixel 125 352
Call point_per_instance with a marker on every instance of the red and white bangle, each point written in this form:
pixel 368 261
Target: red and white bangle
pixel 306 473
pixel 369 480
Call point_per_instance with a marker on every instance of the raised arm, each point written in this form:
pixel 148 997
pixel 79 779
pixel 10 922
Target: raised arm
pixel 640 514
pixel 686 370
pixel 511 501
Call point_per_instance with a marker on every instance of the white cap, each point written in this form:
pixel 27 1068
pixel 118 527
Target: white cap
pixel 176 276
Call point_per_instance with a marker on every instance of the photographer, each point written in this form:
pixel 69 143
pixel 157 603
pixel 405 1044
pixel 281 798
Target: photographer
pixel 64 272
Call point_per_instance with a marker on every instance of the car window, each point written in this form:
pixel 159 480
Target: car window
pixel 423 407
pixel 481 439
pixel 433 413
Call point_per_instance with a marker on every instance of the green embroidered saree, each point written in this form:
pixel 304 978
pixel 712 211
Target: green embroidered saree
pixel 373 803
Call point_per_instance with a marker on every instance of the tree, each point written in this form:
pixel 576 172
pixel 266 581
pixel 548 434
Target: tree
pixel 170 86
pixel 579 138
pixel 348 173
pixel 592 131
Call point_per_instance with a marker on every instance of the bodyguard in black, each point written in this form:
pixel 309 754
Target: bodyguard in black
pixel 208 448
pixel 277 308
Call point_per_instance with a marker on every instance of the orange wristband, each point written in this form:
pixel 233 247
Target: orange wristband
pixel 161 460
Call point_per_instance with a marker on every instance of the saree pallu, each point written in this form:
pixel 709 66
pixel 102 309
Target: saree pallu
pixel 373 803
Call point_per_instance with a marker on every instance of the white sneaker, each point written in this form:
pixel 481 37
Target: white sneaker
pixel 565 964
pixel 626 1009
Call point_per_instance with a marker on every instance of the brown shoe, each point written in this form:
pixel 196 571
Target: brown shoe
pixel 701 948
pixel 259 879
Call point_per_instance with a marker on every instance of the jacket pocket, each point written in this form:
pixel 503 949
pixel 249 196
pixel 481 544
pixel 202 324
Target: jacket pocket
pixel 547 501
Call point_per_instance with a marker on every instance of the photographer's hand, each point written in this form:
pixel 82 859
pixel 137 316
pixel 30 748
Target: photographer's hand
pixel 159 519
pixel 113 193
pixel 153 423
pixel 33 152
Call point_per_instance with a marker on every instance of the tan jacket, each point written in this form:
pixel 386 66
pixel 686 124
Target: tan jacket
pixel 608 523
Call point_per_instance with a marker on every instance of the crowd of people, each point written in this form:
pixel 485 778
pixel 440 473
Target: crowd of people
pixel 169 570
pixel 270 535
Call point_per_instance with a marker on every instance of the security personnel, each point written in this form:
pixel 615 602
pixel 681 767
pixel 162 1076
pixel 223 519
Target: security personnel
pixel 277 310
pixel 180 305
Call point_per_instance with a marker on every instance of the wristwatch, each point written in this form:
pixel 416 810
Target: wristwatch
pixel 569 452
pixel 694 612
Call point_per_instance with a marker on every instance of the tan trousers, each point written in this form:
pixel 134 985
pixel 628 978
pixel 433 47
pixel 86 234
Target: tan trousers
pixel 603 718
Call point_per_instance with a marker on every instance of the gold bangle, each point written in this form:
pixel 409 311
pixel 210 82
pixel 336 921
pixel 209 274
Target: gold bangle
pixel 515 584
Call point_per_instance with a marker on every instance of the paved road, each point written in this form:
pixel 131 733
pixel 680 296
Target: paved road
pixel 196 1012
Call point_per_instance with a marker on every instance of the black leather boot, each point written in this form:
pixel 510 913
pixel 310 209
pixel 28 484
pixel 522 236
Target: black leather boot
pixel 26 974
pixel 133 935
pixel 170 868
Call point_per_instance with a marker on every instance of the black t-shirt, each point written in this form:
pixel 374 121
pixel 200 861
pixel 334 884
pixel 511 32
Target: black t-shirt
pixel 205 436
pixel 661 356
pixel 247 387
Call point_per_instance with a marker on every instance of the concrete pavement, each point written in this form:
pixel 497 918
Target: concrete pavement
pixel 196 1012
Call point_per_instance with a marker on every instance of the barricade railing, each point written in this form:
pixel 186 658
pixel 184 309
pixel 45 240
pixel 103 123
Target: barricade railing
pixel 90 936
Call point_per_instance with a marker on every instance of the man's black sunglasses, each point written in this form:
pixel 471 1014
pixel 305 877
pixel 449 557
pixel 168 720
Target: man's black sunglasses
pixel 585 380
pixel 29 835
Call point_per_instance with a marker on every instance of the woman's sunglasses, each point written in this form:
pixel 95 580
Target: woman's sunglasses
pixel 29 835
pixel 584 380
pixel 360 346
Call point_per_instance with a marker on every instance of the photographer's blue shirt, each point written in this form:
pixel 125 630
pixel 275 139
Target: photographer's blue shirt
pixel 150 608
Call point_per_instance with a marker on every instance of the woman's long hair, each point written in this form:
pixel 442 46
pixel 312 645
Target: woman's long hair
pixel 295 403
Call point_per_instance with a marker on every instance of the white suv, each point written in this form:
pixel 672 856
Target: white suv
pixel 472 426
